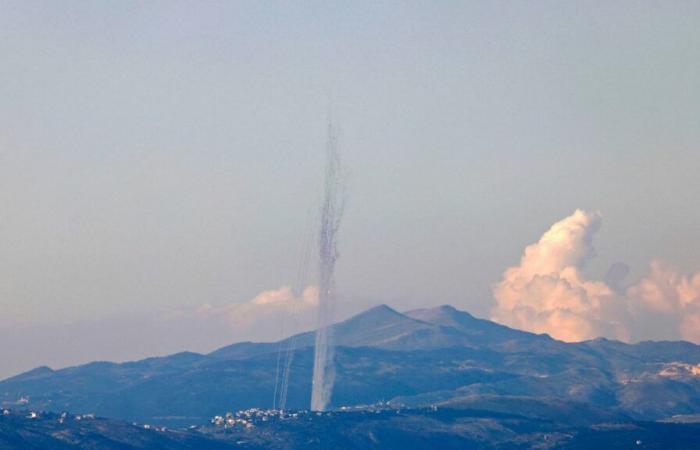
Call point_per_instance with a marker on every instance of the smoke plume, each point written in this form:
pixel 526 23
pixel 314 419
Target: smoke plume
pixel 331 213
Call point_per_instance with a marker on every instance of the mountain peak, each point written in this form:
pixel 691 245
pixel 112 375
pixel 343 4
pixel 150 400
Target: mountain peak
pixel 451 311
pixel 479 330
pixel 446 307
pixel 380 326
pixel 443 315
pixel 379 315
pixel 378 311
pixel 39 372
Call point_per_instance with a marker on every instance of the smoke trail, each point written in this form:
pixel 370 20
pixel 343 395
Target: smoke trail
pixel 331 213
pixel 277 377
pixel 301 281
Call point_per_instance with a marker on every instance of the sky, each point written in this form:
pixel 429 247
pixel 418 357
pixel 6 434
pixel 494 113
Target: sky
pixel 161 164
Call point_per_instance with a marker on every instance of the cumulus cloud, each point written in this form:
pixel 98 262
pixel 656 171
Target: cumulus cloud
pixel 547 292
pixel 263 307
pixel 666 297
pixel 270 315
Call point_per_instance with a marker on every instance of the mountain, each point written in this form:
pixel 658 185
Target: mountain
pixel 479 331
pixel 425 357
pixel 379 327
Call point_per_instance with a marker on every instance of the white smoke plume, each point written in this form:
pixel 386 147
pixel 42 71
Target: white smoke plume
pixel 331 215
pixel 547 292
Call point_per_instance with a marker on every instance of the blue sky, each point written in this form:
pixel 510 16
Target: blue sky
pixel 164 155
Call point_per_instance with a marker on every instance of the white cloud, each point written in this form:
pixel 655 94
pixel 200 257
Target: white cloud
pixel 270 315
pixel 668 297
pixel 277 307
pixel 547 293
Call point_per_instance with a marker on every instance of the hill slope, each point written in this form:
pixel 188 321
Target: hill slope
pixel 418 358
pixel 427 428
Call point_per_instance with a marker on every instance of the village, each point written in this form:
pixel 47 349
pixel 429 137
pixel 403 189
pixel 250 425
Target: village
pixel 249 418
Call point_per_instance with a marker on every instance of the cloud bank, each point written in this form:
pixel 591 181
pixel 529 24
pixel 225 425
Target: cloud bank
pixel 270 315
pixel 547 292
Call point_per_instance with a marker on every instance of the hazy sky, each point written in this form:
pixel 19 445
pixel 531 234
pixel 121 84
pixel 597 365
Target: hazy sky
pixel 159 156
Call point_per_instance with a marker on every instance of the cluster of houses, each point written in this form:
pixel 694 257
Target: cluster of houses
pixel 30 414
pixel 248 418
pixel 147 426
pixel 61 418
pixel 78 417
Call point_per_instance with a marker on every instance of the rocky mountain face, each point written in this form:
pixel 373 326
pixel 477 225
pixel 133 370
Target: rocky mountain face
pixel 423 358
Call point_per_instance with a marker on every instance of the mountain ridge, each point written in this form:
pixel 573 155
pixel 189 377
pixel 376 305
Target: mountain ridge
pixel 415 358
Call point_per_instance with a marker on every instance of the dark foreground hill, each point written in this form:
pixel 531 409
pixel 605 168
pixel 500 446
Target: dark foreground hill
pixel 428 428
pixel 23 430
pixel 438 356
